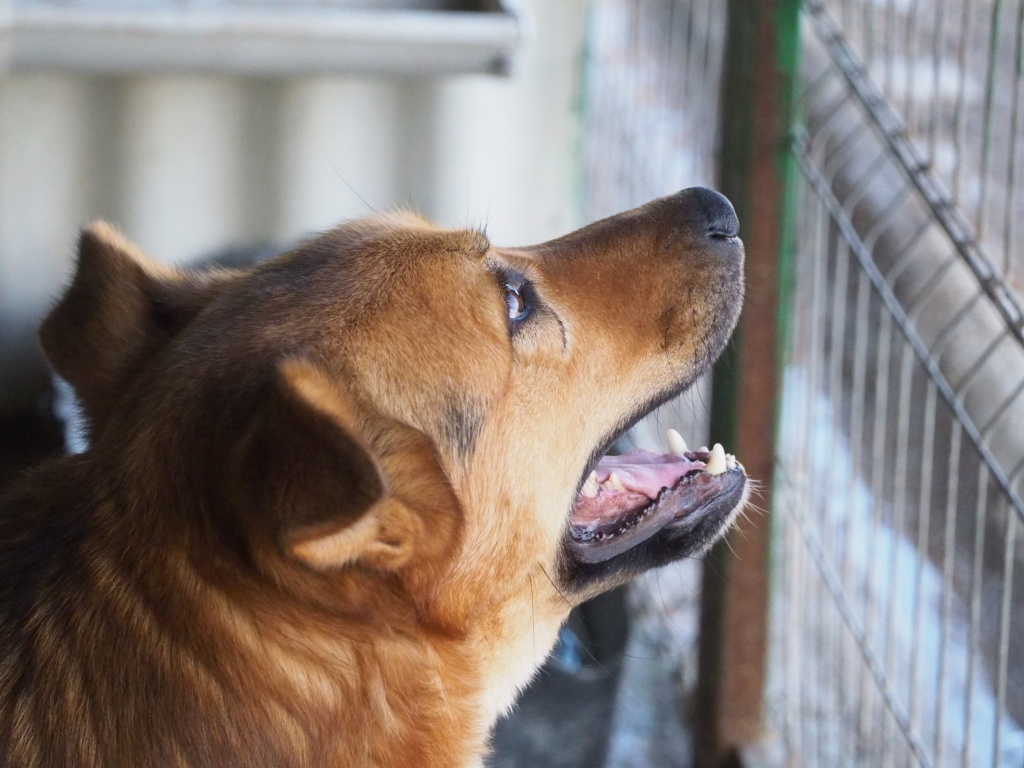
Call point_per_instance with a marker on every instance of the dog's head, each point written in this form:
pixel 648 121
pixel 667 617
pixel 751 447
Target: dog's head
pixel 409 418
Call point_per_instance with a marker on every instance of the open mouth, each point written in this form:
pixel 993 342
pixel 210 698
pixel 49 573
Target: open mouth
pixel 629 498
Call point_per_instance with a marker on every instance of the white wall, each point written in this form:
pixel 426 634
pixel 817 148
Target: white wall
pixel 185 164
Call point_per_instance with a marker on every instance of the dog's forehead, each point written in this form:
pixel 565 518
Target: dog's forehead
pixel 414 270
pixel 415 313
pixel 383 258
pixel 402 236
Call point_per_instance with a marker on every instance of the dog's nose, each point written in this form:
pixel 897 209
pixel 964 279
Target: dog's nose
pixel 710 211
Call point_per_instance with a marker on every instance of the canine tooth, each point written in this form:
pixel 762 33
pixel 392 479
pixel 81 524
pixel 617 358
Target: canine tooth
pixel 676 444
pixel 613 483
pixel 590 487
pixel 716 461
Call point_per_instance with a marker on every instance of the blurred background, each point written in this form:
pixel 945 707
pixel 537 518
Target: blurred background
pixel 870 610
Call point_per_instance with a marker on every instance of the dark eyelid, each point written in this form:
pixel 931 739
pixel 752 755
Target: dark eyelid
pixel 511 278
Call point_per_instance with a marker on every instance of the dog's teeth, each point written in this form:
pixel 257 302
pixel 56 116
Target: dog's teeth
pixel 613 483
pixel 676 444
pixel 590 487
pixel 730 461
pixel 716 461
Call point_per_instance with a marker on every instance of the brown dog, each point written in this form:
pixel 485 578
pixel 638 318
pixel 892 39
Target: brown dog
pixel 337 506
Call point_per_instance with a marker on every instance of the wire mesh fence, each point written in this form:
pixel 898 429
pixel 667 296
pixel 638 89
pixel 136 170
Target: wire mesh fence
pixel 898 579
pixel 952 70
pixel 899 618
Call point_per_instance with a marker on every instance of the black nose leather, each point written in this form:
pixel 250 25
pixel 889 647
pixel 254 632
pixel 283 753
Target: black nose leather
pixel 714 211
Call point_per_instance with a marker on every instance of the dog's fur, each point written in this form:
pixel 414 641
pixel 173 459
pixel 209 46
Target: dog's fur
pixel 322 520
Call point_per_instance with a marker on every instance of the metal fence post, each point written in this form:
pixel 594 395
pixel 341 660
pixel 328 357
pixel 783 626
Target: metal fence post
pixel 755 172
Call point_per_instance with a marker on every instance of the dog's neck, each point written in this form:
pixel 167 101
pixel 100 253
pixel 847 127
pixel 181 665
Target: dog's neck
pixel 314 683
pixel 272 648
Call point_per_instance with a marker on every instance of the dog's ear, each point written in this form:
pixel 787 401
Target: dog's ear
pixel 121 307
pixel 305 467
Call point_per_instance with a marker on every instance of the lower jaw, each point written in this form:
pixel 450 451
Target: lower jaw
pixel 693 504
pixel 601 547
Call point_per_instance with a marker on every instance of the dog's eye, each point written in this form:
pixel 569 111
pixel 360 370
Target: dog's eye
pixel 516 304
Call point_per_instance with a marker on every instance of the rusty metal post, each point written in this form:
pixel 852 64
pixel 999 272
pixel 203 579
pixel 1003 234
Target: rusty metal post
pixel 755 172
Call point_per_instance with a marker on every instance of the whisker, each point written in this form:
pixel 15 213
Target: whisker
pixel 345 182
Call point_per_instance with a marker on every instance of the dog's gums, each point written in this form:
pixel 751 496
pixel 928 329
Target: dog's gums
pixel 629 498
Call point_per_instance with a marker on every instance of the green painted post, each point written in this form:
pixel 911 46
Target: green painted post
pixel 756 171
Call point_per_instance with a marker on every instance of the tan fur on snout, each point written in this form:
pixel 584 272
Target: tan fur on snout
pixel 322 518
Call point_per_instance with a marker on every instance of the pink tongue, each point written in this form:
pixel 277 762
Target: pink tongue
pixel 646 472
